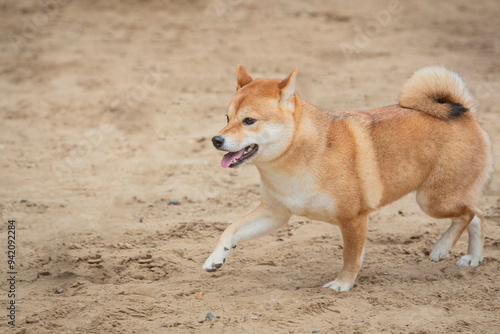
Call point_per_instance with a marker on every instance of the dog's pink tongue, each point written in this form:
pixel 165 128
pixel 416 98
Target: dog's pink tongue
pixel 230 157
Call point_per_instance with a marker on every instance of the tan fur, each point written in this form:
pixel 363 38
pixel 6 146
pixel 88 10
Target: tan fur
pixel 340 166
pixel 366 164
pixel 431 89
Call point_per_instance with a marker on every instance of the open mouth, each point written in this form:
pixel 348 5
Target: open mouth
pixel 234 159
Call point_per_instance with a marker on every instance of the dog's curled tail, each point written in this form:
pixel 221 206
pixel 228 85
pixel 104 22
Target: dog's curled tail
pixel 437 92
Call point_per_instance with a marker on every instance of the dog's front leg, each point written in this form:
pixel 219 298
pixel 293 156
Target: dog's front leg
pixel 354 236
pixel 261 221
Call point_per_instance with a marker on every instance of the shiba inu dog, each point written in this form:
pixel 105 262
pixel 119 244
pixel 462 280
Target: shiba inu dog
pixel 339 166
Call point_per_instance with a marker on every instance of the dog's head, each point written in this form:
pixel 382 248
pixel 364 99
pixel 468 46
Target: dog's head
pixel 260 120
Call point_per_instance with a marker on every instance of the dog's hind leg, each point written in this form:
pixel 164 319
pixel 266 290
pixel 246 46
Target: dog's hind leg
pixel 474 254
pixel 462 217
pixel 263 220
pixel 354 236
pixel 444 245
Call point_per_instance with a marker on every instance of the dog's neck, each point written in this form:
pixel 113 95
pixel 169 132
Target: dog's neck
pixel 309 121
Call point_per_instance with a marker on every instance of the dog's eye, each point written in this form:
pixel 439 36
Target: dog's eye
pixel 249 121
pixel 227 118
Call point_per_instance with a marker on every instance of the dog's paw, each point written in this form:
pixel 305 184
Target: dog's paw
pixel 337 286
pixel 469 261
pixel 439 253
pixel 216 259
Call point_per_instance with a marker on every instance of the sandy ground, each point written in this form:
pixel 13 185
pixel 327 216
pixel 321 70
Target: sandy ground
pixel 107 110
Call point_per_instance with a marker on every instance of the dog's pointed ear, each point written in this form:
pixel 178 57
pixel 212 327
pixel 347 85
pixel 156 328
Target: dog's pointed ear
pixel 287 87
pixel 242 76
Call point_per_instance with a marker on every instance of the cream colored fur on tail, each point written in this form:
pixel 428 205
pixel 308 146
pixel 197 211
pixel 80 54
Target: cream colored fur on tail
pixel 432 89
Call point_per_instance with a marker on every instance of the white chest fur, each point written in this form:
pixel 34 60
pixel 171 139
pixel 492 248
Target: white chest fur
pixel 300 194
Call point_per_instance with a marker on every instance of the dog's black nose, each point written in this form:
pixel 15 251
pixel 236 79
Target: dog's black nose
pixel 218 141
